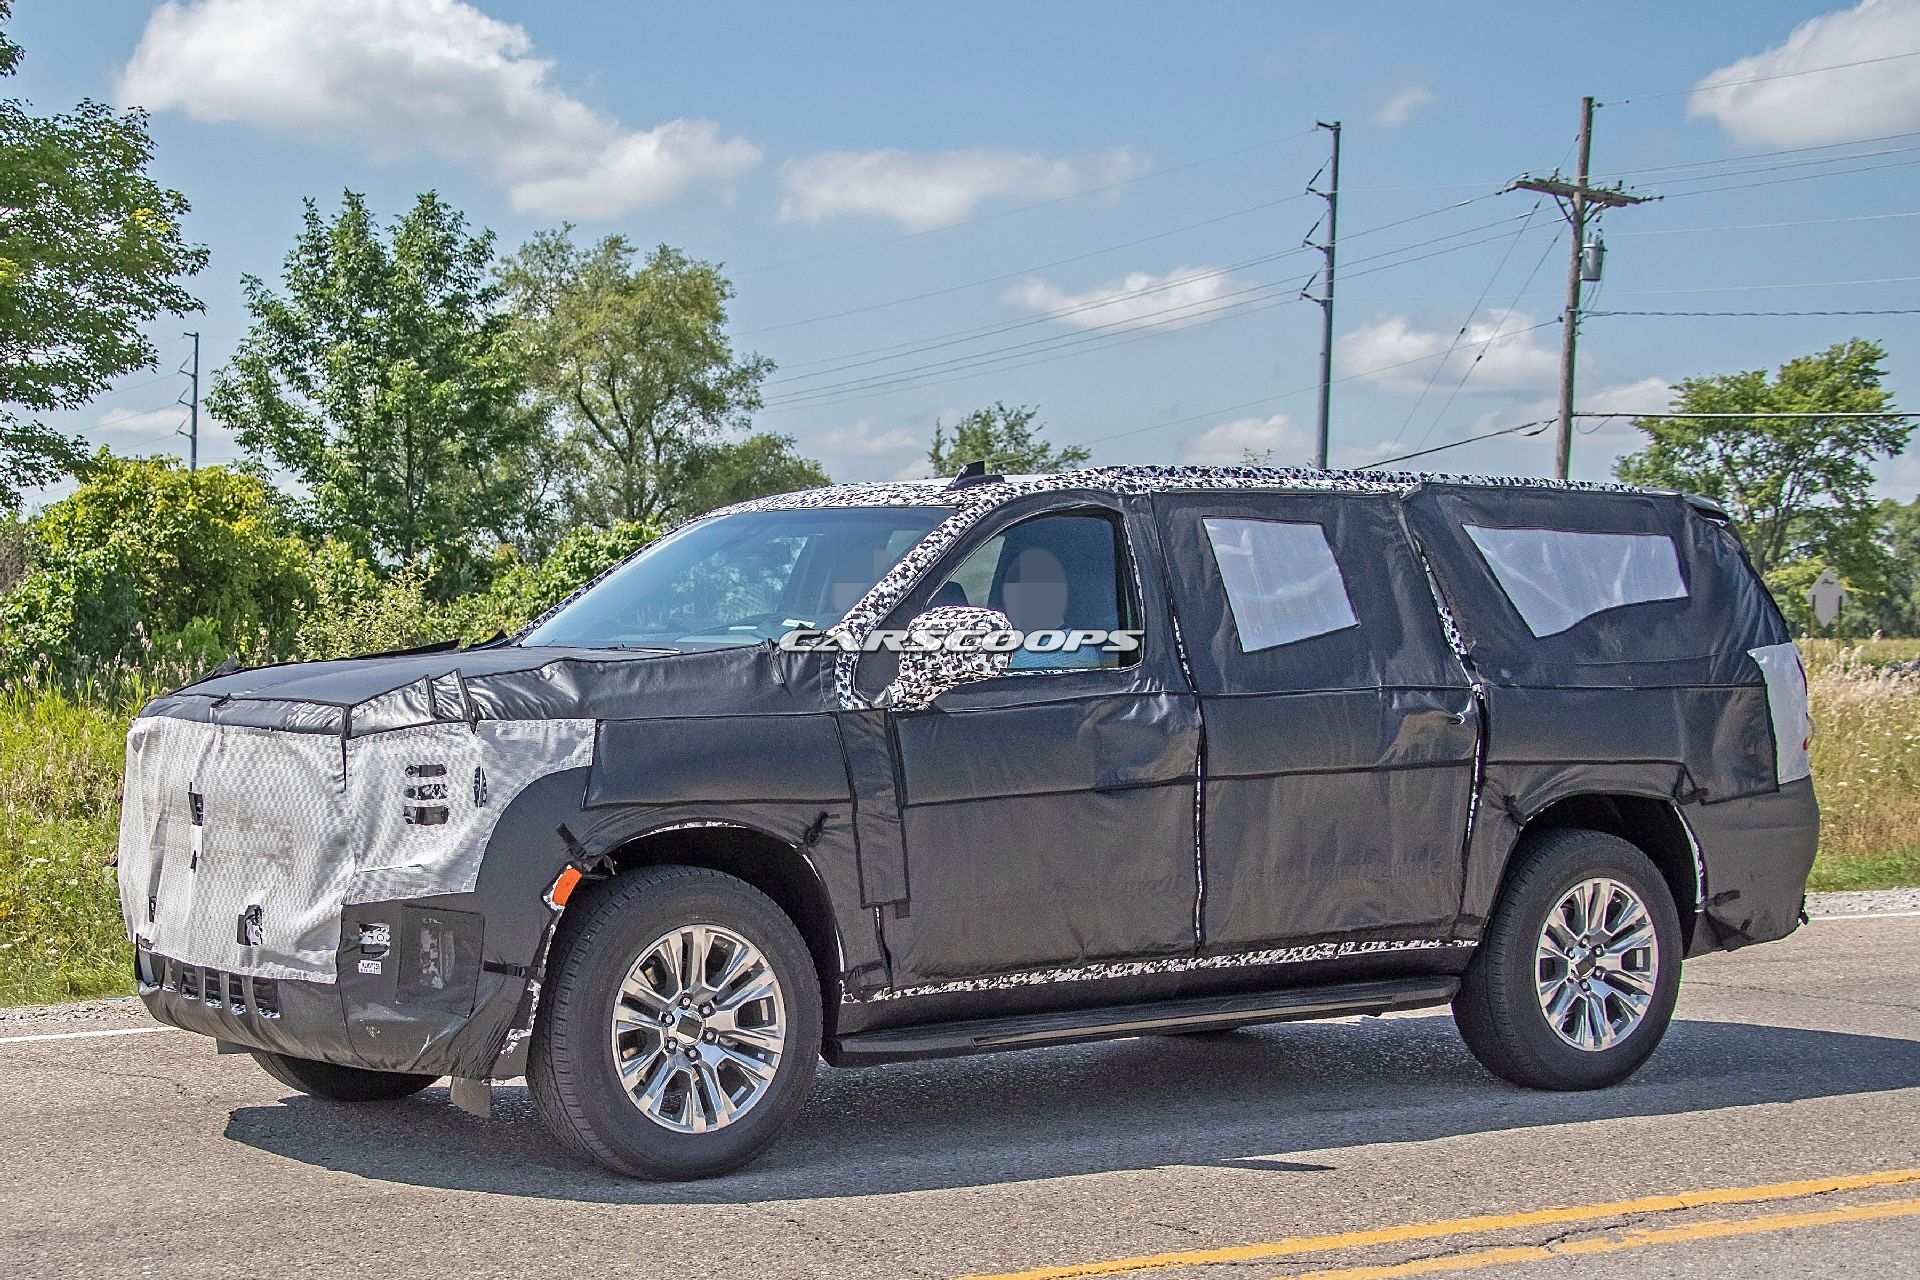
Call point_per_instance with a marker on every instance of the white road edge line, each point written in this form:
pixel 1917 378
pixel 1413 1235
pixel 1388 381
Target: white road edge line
pixel 85 1035
pixel 1869 915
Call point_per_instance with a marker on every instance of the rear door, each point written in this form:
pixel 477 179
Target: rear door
pixel 1339 728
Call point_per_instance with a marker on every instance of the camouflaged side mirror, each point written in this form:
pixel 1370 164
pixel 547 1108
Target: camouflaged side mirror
pixel 946 648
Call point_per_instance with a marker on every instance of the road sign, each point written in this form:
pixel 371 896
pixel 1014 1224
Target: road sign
pixel 1826 595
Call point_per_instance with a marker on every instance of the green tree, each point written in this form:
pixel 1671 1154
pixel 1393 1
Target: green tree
pixel 715 473
pixel 204 561
pixel 1006 438
pixel 1897 610
pixel 90 249
pixel 636 361
pixel 385 378
pixel 1799 488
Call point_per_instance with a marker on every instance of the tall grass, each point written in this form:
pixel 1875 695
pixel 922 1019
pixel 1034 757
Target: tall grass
pixel 61 752
pixel 1866 762
pixel 60 761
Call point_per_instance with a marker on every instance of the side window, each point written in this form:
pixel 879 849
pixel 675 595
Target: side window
pixel 1281 579
pixel 1051 573
pixel 1555 578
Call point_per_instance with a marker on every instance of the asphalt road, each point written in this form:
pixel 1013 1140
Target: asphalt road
pixel 1344 1149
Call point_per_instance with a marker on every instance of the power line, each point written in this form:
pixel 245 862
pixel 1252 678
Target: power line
pixel 1770 226
pixel 1025 208
pixel 1781 75
pixel 1015 274
pixel 1883 311
pixel 1487 346
pixel 1526 428
pixel 1755 288
pixel 898 350
pixel 1284 395
pixel 1466 324
pixel 859 388
pixel 1804 177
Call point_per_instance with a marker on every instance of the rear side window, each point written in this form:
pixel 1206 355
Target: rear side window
pixel 1282 582
pixel 1555 578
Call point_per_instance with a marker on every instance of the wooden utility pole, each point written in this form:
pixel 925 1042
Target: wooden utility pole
pixel 1574 198
pixel 1328 247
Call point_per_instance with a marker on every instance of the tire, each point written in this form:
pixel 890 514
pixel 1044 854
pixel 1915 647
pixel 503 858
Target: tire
pixel 1501 1009
pixel 340 1084
pixel 601 952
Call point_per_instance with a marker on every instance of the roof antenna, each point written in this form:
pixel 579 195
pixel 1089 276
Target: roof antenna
pixel 973 473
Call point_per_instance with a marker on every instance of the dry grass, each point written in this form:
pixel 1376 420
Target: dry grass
pixel 60 760
pixel 1866 763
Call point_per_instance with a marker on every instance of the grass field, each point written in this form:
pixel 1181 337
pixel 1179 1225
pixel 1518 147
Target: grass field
pixel 60 758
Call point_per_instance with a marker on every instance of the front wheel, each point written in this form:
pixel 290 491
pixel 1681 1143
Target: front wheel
pixel 679 1026
pixel 1574 982
pixel 337 1083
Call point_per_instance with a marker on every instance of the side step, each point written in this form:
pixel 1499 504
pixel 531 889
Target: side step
pixel 1193 1013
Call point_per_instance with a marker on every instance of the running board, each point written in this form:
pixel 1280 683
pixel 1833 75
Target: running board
pixel 1194 1013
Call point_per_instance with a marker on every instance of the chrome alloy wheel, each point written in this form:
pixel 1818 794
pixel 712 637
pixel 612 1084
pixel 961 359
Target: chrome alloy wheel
pixel 698 1027
pixel 1597 963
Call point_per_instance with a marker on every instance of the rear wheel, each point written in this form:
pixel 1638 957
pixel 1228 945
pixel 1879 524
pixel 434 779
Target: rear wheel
pixel 1574 983
pixel 337 1083
pixel 679 1027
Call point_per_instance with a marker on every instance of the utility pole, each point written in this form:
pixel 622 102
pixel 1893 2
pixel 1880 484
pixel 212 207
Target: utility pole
pixel 192 401
pixel 1327 248
pixel 1574 198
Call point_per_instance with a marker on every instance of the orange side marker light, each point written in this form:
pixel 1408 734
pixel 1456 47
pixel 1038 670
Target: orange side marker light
pixel 563 886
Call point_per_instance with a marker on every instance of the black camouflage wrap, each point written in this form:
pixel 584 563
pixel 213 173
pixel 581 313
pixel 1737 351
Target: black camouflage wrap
pixel 1201 820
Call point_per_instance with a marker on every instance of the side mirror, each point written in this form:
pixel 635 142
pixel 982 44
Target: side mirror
pixel 946 648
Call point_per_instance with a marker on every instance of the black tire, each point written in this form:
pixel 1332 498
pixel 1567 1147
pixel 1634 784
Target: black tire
pixel 1498 1007
pixel 571 1072
pixel 337 1083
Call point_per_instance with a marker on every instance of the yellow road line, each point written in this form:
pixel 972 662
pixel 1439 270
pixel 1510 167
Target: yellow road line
pixel 1691 1234
pixel 1296 1245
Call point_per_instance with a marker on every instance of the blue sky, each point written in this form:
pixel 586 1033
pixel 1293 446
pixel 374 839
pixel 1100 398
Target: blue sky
pixel 1091 207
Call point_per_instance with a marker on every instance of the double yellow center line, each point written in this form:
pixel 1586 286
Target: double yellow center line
pixel 1447 1228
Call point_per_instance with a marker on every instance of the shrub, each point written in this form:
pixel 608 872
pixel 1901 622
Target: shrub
pixel 203 561
pixel 355 611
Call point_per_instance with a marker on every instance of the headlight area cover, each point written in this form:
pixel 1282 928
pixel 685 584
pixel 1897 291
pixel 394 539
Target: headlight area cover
pixel 239 846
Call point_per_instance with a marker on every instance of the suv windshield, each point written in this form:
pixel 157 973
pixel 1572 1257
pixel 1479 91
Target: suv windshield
pixel 741 579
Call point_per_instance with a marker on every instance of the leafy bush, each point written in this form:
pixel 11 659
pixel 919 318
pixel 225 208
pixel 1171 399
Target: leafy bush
pixel 355 611
pixel 522 592
pixel 198 561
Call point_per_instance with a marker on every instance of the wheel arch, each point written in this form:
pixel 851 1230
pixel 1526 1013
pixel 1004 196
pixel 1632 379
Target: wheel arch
pixel 774 866
pixel 1652 824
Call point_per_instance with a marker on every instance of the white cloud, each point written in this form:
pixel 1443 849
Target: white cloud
pixel 408 77
pixel 1278 441
pixel 863 439
pixel 924 190
pixel 1399 107
pixel 1835 106
pixel 1398 356
pixel 1139 300
pixel 867 450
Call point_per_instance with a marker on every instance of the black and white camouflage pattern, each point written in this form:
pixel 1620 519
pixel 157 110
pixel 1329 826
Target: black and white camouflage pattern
pixel 925 676
pixel 1308 954
pixel 973 502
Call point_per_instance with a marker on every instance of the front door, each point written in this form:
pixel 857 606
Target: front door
pixel 1341 730
pixel 1048 814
